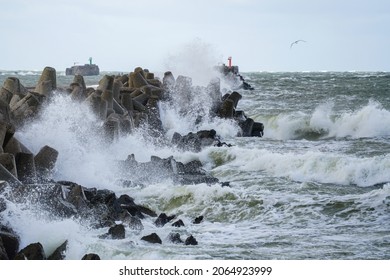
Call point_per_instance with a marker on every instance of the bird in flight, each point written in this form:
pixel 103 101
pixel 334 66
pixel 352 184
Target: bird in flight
pixel 296 42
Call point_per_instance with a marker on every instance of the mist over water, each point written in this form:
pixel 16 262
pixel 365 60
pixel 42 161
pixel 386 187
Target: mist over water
pixel 197 60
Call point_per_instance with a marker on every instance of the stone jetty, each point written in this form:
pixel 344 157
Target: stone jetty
pixel 123 103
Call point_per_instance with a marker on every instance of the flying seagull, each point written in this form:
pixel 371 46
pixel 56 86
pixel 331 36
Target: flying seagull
pixel 296 42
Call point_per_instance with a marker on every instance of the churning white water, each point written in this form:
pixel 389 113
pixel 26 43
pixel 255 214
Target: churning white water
pixel 316 186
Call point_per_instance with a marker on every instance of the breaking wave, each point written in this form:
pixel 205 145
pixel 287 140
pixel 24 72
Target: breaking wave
pixel 371 120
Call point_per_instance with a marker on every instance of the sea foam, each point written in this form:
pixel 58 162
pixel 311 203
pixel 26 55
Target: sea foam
pixel 371 120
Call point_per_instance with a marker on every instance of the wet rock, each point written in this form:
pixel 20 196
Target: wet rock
pixel 26 108
pixel 135 223
pixel 91 257
pixel 25 166
pixel 117 232
pixel 33 251
pixel 106 83
pixel 127 101
pixel 7 176
pixel 7 130
pixel 178 223
pixel 44 88
pixel 137 80
pixel 116 87
pixel 198 220
pixel 59 253
pixel 257 129
pixel 154 120
pixel 3 253
pixel 47 81
pixel 235 97
pixel 45 160
pixel 168 81
pixel 147 211
pixel 193 167
pixel 76 196
pixel 10 241
pixel 11 87
pixel 50 197
pixel 78 92
pixel 79 79
pixel 227 109
pixel 195 141
pixel 190 179
pixel 163 219
pixel 152 238
pixel 108 96
pixel 111 128
pixel 189 142
pixel 94 196
pixel 14 146
pixel 5 111
pixel 175 238
pixel 247 127
pixel 126 202
pixel 191 241
pixel 97 104
pixel 8 161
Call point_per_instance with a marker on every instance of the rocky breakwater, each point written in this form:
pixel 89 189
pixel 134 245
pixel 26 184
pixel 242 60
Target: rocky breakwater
pixel 123 103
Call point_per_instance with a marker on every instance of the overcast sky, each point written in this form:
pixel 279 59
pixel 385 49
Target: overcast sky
pixel 340 35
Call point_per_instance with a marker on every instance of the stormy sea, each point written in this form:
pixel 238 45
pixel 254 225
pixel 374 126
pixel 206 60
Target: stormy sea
pixel 316 185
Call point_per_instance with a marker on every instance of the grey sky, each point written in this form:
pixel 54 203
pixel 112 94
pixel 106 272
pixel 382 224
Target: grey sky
pixel 122 34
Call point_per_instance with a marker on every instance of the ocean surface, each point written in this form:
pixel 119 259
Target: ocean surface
pixel 316 186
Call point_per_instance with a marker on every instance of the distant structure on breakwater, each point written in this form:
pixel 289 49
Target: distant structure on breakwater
pixel 84 70
pixel 231 73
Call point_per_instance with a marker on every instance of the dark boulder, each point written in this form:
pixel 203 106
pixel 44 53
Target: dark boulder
pixel 195 141
pixel 7 130
pixel 191 241
pixel 25 166
pixel 227 109
pixel 26 108
pixel 178 223
pixel 11 87
pixel 8 177
pixel 91 257
pixel 117 232
pixel 152 238
pixel 33 251
pixel 8 161
pixel 135 224
pixel 59 253
pixel 3 252
pixel 45 160
pixel 10 241
pixel 126 202
pixel 48 76
pixel 247 127
pixel 175 238
pixel 258 129
pixel 50 197
pixel 76 196
pixel 198 220
pixel 147 211
pixel 163 219
pixel 194 167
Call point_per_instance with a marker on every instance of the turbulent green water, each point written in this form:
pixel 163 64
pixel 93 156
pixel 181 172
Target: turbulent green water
pixel 316 186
